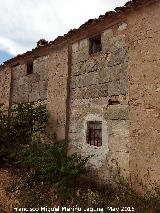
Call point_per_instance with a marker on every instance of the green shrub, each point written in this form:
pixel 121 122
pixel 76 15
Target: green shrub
pixel 41 164
pixel 46 167
pixel 17 128
pixel 52 165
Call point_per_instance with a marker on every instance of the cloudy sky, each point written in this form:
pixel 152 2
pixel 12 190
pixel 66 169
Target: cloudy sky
pixel 24 22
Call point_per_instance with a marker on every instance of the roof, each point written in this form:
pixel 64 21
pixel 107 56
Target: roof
pixel 130 5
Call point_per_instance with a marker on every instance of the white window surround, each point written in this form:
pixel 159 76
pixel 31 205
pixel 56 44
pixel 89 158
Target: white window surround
pixel 98 152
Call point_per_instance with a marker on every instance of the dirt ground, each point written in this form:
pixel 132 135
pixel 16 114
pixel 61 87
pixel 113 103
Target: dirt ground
pixel 5 201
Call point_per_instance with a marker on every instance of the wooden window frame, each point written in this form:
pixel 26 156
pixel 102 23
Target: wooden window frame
pixel 95 44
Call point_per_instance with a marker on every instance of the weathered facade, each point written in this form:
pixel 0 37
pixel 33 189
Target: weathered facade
pixel 101 85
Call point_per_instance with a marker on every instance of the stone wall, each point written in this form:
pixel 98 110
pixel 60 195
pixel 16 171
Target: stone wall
pixel 57 91
pixel 97 80
pixel 48 82
pixel 144 91
pixel 33 87
pixel 5 84
pixel 118 86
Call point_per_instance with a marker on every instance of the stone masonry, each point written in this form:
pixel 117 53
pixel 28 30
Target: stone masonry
pixel 30 88
pixel 117 86
pixel 96 79
pixel 144 94
pixel 5 85
pixel 57 91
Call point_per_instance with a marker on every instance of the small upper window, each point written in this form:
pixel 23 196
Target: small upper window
pixel 95 44
pixel 29 68
pixel 94 133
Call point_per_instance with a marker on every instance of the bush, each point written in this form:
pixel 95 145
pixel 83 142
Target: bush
pixel 49 164
pixel 44 168
pixel 41 164
pixel 17 128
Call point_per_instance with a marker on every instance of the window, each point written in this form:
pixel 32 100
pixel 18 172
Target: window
pixel 113 102
pixel 94 133
pixel 95 44
pixel 29 68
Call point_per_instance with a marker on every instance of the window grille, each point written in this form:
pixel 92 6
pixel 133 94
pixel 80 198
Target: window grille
pixel 94 133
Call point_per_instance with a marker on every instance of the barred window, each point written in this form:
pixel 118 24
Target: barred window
pixel 94 133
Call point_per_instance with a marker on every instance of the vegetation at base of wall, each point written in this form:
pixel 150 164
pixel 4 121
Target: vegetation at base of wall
pixel 148 201
pixel 51 165
pixel 43 174
pixel 49 168
pixel 21 147
pixel 19 127
pixel 45 193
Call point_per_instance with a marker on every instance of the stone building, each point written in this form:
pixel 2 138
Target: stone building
pixel 101 84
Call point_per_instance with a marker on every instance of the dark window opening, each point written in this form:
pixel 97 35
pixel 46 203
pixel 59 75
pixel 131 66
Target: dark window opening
pixel 29 68
pixel 113 102
pixel 94 133
pixel 95 44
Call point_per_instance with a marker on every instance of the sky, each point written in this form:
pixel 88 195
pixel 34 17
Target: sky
pixel 24 22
